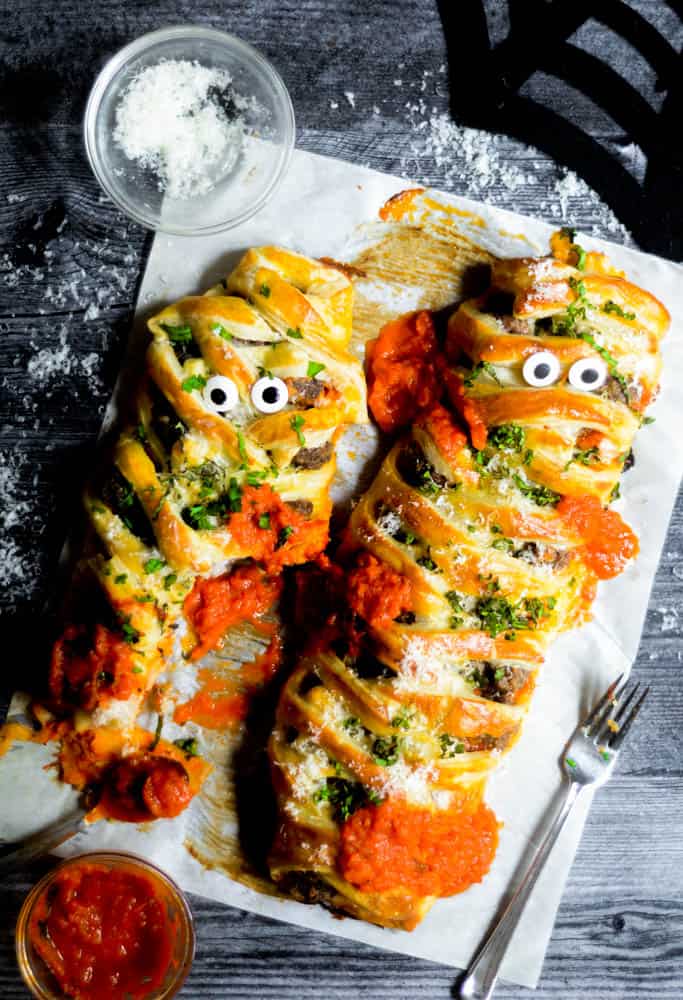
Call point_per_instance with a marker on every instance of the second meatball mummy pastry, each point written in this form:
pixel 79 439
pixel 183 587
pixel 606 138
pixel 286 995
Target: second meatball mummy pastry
pixel 482 537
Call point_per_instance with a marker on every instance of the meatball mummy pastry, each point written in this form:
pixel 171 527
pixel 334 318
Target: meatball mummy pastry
pixel 219 481
pixel 482 537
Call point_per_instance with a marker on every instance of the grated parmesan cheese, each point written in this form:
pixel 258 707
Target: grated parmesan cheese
pixel 184 122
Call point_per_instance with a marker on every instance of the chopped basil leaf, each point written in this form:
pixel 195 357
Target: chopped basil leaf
pixel 193 382
pixel 177 334
pixel 221 331
pixel 188 746
pixel 314 368
pixel 264 522
pixel 295 333
pixel 296 423
pixel 152 565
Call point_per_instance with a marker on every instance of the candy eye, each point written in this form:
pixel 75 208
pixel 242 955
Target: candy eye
pixel 220 394
pixel 588 374
pixel 269 395
pixel 541 369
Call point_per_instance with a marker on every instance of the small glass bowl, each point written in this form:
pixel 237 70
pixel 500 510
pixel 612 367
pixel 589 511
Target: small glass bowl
pixel 261 165
pixel 36 974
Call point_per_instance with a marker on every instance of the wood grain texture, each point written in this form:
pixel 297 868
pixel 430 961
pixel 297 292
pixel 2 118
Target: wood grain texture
pixel 64 249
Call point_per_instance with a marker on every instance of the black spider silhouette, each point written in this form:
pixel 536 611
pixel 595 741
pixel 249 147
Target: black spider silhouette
pixel 486 78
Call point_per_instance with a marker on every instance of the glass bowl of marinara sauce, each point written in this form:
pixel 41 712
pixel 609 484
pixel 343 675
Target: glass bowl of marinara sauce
pixel 105 926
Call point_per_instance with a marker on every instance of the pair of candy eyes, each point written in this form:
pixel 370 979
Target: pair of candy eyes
pixel 268 395
pixel 543 369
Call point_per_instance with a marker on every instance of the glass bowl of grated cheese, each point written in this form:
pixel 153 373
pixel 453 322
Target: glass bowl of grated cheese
pixel 189 130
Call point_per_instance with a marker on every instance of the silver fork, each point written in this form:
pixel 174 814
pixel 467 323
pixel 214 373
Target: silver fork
pixel 588 761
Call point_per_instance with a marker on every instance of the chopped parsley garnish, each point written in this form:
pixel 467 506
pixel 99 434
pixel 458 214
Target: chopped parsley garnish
pixel 264 372
pixel 265 291
pixel 295 333
pixel 97 508
pixel 613 307
pixel 283 534
pixel 194 382
pixel 565 324
pixel 455 601
pixel 569 233
pixel 234 496
pixel 481 366
pixel 541 495
pixel 615 494
pixel 144 598
pixel 264 522
pixel 503 544
pixel 646 421
pixel 608 358
pixel 586 456
pixel 189 746
pixel 428 563
pixel 221 331
pixel 177 334
pixel 450 746
pixel 256 477
pixel 498 615
pixel 428 486
pixel 137 670
pixel 404 537
pixel 169 580
pixel 509 437
pixel 385 750
pixel 157 732
pixel 352 725
pixel 242 448
pixel 130 634
pixel 314 368
pixel 571 762
pixel 296 423
pixel 152 565
pixel 121 578
pixel 403 718
pixel 344 796
pixel 141 433
pixel 605 754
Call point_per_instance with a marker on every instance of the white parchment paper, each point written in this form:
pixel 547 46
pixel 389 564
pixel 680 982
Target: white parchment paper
pixel 323 208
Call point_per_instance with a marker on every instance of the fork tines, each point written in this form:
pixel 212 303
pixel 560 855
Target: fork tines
pixel 610 720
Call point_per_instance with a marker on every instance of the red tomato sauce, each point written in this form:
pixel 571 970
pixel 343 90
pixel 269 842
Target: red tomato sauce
pixel 449 438
pixel 215 604
pixel 377 592
pixel 217 705
pixel 271 532
pixel 401 370
pixel 466 407
pixel 103 933
pixel 223 700
pixel 146 787
pixel 90 667
pixel 427 852
pixel 609 542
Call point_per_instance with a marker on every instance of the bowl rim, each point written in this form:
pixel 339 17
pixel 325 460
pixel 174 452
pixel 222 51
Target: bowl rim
pixel 114 64
pixel 103 857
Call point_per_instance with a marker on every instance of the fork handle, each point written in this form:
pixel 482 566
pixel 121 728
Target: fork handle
pixel 480 979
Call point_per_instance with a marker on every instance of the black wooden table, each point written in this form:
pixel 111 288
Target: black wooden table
pixel 597 89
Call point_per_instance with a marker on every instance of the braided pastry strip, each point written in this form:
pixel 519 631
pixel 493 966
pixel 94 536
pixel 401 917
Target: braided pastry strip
pixel 469 553
pixel 191 489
